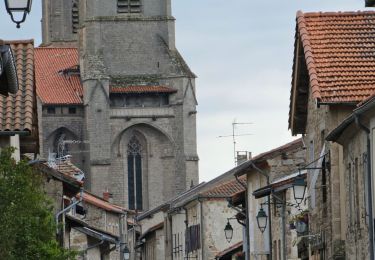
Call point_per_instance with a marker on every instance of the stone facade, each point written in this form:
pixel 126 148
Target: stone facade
pixel 328 216
pixel 358 185
pixel 119 49
pixel 58 27
pixel 279 162
pixel 210 215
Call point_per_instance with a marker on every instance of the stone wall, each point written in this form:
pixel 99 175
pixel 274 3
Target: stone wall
pixel 355 194
pixel 280 165
pixel 328 217
pixel 61 122
pixel 215 215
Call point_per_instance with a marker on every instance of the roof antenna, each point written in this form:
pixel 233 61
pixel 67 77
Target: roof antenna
pixel 233 135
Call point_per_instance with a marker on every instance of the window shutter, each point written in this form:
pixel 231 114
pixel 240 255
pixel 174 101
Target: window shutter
pixel 128 6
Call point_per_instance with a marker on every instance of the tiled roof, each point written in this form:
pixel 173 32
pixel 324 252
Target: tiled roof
pixel 295 144
pixel 339 50
pixel 141 89
pixel 152 229
pixel 67 168
pixel 101 203
pixel 227 189
pixel 54 83
pixel 17 111
pixel 234 248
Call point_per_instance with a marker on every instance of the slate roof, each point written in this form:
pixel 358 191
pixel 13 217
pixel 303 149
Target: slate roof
pixel 141 89
pixel 340 54
pixel 18 111
pixel 55 84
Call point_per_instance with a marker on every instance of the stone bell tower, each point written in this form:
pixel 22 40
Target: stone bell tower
pixel 139 100
pixel 60 22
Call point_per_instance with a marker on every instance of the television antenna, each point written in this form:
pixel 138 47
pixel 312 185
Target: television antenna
pixel 234 135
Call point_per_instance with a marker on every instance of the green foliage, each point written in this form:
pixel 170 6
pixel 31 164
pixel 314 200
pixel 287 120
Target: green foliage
pixel 26 217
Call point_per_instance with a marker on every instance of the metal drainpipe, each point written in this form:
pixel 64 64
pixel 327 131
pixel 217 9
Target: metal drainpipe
pixel 269 208
pixel 186 228
pixel 202 232
pixel 369 180
pixel 247 227
pixel 68 208
pixel 283 231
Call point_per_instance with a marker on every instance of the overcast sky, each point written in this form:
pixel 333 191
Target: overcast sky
pixel 242 53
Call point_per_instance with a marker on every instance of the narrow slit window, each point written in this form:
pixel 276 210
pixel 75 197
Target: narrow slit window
pixel 75 16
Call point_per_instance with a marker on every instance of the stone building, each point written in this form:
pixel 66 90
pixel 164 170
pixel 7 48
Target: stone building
pixel 330 76
pixel 115 93
pixel 191 226
pixel 262 171
pixel 356 135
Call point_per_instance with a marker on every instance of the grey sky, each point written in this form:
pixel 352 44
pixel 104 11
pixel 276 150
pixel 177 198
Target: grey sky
pixel 242 52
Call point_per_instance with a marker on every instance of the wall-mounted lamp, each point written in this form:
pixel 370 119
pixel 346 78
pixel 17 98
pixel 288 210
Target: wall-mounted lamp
pixel 262 220
pixel 299 189
pixel 228 230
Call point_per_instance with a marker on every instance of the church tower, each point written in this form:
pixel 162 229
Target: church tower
pixel 139 99
pixel 60 22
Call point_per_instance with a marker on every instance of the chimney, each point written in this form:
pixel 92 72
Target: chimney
pixel 107 196
pixel 243 156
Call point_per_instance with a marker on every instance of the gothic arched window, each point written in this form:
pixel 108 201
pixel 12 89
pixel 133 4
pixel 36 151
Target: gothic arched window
pixel 59 145
pixel 135 174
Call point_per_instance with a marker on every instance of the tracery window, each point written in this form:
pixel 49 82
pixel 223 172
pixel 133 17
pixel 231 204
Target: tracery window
pixel 135 174
pixel 128 6
pixel 59 146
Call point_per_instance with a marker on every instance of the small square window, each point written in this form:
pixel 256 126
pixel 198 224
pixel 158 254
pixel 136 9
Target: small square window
pixel 51 110
pixel 72 110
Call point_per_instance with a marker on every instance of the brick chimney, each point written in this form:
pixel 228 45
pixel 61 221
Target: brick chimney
pixel 106 196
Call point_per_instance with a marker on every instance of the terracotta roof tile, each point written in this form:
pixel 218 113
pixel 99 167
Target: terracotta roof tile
pixel 52 85
pixel 101 203
pixel 141 89
pixel 17 111
pixel 227 189
pixel 234 247
pixel 339 50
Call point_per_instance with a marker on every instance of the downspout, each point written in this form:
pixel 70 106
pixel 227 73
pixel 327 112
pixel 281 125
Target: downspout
pixel 67 209
pixel 186 228
pixel 269 207
pixel 247 227
pixel 369 181
pixel 201 229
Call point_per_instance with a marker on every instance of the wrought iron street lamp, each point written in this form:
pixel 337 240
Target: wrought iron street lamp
pixel 126 253
pixel 299 189
pixel 228 230
pixel 18 9
pixel 262 220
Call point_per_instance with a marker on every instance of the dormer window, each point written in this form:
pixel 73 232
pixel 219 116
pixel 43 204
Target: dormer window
pixel 128 6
